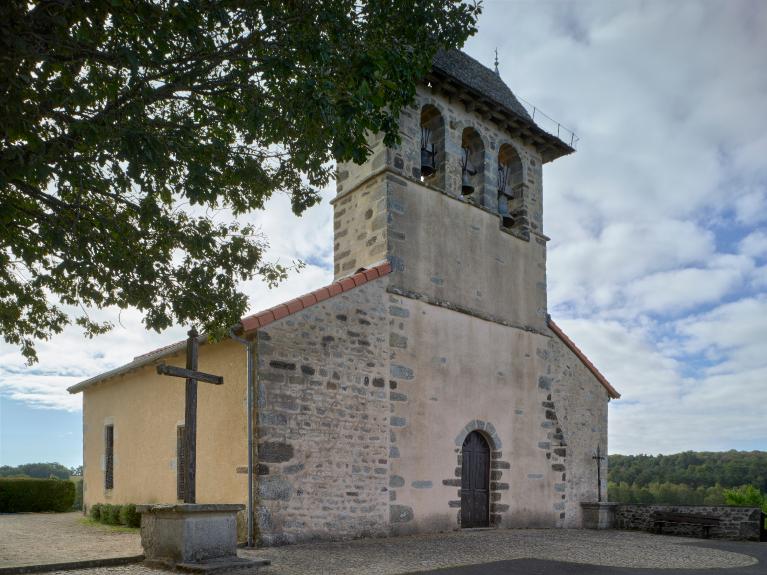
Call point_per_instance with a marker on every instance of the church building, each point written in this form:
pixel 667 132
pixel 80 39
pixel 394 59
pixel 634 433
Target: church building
pixel 426 389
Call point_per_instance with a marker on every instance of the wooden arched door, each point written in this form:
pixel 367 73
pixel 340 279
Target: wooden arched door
pixel 475 481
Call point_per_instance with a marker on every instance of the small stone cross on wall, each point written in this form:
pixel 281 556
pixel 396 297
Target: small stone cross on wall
pixel 598 457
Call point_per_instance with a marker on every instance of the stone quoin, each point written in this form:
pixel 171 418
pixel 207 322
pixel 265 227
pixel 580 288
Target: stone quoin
pixel 425 389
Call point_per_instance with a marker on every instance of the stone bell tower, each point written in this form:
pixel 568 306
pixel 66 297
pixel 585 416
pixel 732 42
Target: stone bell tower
pixel 456 207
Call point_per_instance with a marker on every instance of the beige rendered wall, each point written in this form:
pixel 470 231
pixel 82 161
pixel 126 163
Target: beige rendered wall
pixel 145 409
pixel 452 373
pixel 323 429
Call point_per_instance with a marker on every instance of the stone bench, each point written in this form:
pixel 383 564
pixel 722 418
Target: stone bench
pixel 661 519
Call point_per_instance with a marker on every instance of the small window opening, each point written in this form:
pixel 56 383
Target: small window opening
pixel 472 164
pixel 109 459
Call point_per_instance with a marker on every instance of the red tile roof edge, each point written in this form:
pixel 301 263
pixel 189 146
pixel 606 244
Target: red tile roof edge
pixel 264 318
pixel 611 391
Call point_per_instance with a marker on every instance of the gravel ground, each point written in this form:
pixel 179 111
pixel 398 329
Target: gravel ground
pixel 36 538
pixel 427 552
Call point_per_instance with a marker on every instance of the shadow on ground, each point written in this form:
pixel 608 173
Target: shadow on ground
pixel 542 567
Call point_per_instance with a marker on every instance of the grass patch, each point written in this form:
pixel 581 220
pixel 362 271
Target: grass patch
pixel 117 528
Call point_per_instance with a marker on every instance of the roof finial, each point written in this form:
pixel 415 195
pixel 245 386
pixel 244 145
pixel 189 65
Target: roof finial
pixel 496 62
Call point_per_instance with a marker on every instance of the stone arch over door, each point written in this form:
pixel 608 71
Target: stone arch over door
pixel 475 481
pixel 498 488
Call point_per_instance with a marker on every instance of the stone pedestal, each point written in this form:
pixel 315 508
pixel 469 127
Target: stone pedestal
pixel 195 537
pixel 598 515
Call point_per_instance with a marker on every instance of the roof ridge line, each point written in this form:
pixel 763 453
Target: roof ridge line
pixel 341 285
pixel 570 344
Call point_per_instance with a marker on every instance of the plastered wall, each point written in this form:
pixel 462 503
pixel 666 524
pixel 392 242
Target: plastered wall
pixel 145 409
pixel 452 373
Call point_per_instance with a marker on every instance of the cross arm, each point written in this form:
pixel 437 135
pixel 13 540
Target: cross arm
pixel 174 371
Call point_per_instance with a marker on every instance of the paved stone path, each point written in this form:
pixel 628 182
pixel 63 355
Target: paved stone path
pixel 36 538
pixel 428 552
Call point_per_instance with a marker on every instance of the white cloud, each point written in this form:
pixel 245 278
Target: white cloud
pixel 735 331
pixel 686 288
pixel 755 244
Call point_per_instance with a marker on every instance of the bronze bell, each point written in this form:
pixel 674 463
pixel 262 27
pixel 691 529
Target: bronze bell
pixel 467 187
pixel 427 162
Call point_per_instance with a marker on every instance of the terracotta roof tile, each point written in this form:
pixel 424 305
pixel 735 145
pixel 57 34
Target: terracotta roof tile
pixel 321 294
pixel 280 311
pixel 611 391
pixel 261 319
pixel 294 305
pixel 308 299
pixel 347 284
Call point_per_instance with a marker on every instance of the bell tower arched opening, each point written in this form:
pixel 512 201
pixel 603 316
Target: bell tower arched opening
pixel 472 164
pixel 432 147
pixel 510 187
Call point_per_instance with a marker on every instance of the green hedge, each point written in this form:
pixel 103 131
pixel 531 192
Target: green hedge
pixel 115 514
pixel 78 504
pixel 25 495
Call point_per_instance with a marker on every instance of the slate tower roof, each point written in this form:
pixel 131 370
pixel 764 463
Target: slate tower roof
pixel 459 75
pixel 476 76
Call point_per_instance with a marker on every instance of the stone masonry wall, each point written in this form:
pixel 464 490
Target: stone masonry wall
pixel 384 210
pixel 737 523
pixel 359 228
pixel 576 407
pixel 323 413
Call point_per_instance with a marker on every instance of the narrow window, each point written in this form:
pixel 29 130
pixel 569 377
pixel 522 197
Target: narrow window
pixel 109 456
pixel 180 462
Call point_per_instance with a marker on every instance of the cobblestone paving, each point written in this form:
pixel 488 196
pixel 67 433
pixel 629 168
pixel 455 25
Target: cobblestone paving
pixel 425 552
pixel 36 538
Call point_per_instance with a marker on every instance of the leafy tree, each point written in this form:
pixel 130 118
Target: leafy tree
pixel 126 125
pixel 36 470
pixel 746 496
pixel 696 469
pixel 76 471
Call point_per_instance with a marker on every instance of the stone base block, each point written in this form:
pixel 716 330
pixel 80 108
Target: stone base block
pixel 598 515
pixel 224 565
pixel 189 534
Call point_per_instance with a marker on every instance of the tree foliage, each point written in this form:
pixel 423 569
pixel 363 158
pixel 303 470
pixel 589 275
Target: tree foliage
pixel 665 493
pixel 746 496
pixel 127 124
pixel 696 469
pixel 36 470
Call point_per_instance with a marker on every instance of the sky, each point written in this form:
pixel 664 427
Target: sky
pixel 657 264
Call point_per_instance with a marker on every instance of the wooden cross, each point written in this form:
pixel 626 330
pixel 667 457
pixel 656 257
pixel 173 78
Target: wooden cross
pixel 598 457
pixel 192 376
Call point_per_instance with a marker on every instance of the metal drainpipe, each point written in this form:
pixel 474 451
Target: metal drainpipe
pixel 250 348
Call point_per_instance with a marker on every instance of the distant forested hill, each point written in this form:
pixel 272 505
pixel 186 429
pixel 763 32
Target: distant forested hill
pixel 693 468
